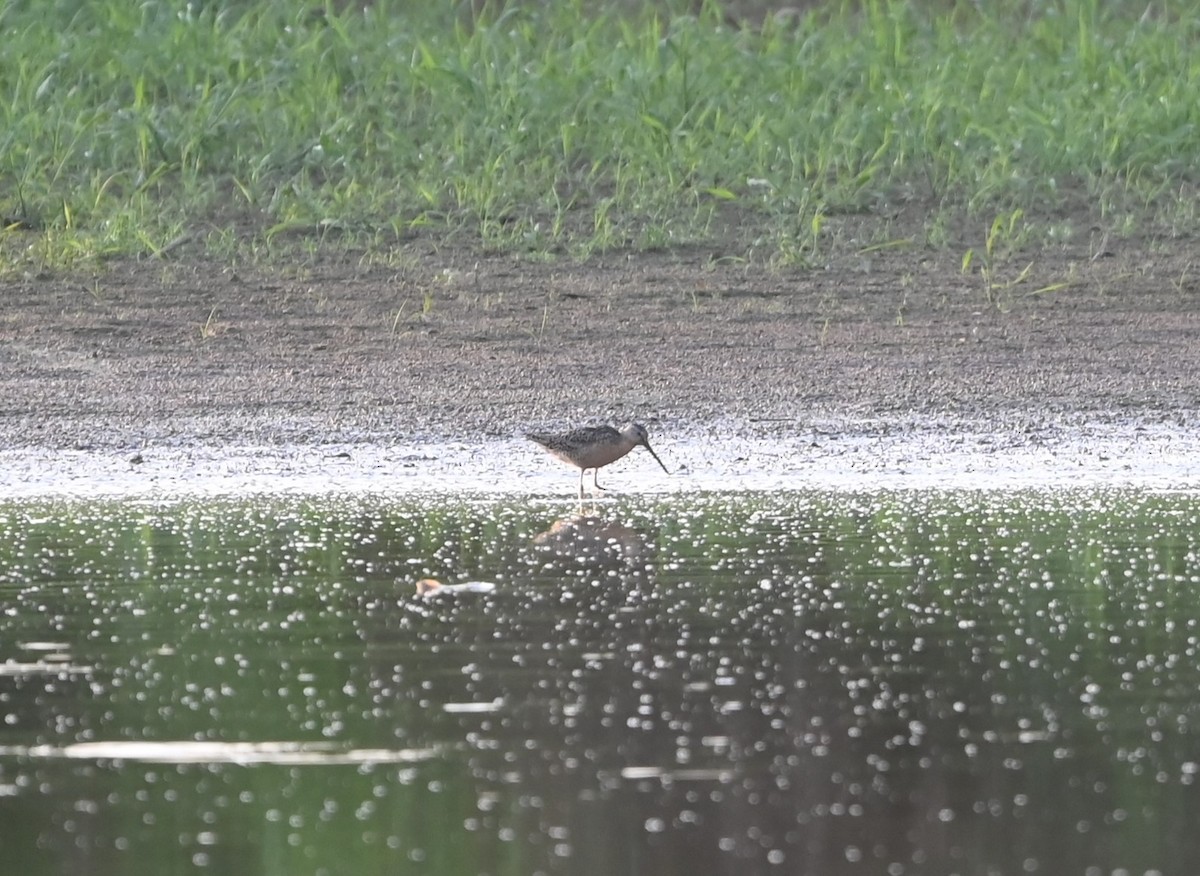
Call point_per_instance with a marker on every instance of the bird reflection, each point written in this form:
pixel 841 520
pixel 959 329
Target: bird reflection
pixel 585 539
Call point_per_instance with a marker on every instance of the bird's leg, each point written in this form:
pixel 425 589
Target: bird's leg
pixel 582 472
pixel 596 480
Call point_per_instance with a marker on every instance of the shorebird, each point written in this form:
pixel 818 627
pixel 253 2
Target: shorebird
pixel 594 446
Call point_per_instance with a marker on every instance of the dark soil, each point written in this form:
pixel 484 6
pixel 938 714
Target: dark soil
pixel 453 345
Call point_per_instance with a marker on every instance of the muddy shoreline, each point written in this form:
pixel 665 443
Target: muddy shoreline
pixel 465 348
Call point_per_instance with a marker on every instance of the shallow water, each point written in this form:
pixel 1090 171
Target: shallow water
pixel 803 682
pixel 900 454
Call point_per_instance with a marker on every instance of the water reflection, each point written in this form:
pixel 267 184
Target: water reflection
pixel 593 542
pixel 894 683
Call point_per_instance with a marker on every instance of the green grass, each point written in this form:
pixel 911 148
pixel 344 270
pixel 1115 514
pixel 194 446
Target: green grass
pixel 126 129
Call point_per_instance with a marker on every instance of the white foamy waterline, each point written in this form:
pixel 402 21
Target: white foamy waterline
pixel 874 456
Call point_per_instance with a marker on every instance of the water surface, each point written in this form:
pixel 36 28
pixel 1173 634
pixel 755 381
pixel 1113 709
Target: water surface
pixel 806 682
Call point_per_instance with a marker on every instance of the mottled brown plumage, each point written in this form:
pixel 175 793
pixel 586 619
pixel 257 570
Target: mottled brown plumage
pixel 593 447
